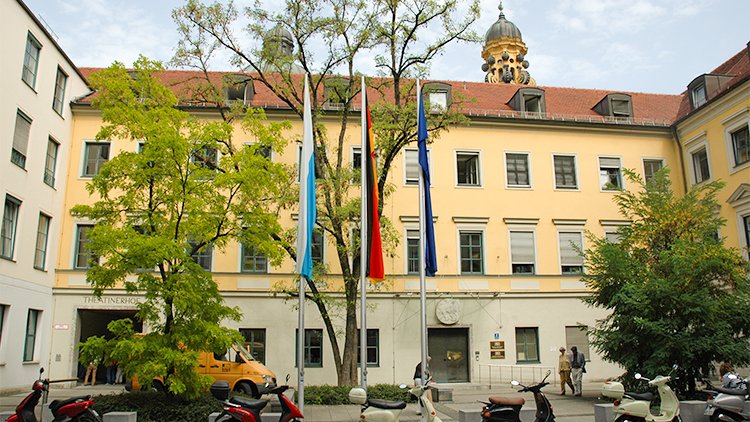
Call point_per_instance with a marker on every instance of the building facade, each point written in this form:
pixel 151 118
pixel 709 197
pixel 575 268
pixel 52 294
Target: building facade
pixel 514 192
pixel 38 82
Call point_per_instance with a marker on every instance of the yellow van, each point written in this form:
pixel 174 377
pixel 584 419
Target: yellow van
pixel 238 367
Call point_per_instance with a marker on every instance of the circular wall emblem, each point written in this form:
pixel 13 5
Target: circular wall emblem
pixel 448 311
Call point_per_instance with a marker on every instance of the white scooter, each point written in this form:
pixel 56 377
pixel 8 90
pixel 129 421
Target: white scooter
pixel 389 411
pixel 634 407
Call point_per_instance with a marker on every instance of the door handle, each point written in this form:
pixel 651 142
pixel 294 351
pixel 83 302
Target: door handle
pixel 201 366
pixel 214 366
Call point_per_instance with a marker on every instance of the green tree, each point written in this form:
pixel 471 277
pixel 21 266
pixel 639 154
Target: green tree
pixel 187 190
pixel 676 294
pixel 328 36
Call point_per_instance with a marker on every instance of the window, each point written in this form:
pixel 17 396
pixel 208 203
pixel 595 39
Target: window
pixel 411 166
pixel 51 162
pixel 746 229
pixel 741 146
pixel 517 169
pixel 32 322
pixel 255 342
pixel 412 251
pixel 621 107
pixel 577 336
pixel 357 165
pixel 522 252
pixel 650 167
pixel 59 99
pixel 42 234
pixel 313 348
pixel 84 256
pixel 570 260
pixel 700 165
pixel 205 157
pixel 698 94
pixel 612 236
pixel 438 101
pixel 318 151
pixel 610 173
pixel 20 139
pixel 527 345
pixel 373 347
pixel 31 60
pixel 565 172
pixel 317 249
pixel 202 256
pixel 238 91
pixel 10 223
pixel 467 169
pixel 2 321
pixel 97 153
pixel 253 260
pixel 528 100
pixel 471 252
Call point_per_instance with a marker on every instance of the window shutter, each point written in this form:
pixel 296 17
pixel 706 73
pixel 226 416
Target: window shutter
pixel 21 136
pixel 621 107
pixel 568 254
pixel 522 247
pixel 411 160
pixel 609 162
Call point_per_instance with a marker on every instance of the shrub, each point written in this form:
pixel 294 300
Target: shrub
pixel 339 394
pixel 158 407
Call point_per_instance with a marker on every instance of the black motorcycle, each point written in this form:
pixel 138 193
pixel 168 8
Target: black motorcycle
pixel 503 409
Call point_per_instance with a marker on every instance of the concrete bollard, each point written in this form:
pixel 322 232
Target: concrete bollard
pixel 603 412
pixel 692 411
pixel 213 416
pixel 120 417
pixel 441 394
pixel 469 415
pixel 270 417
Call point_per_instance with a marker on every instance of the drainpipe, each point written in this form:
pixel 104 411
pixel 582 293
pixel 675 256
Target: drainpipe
pixel 676 137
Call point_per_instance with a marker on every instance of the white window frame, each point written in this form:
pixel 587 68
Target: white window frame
pixel 700 87
pixel 611 226
pixel 356 164
pixel 471 227
pixel 570 226
pixel 60 72
pixel 740 202
pixel 415 183
pixel 522 228
pixel 84 155
pixel 732 124
pixel 251 143
pixel 621 176
pixel 409 228
pixel 15 223
pixel 643 164
pixel 528 167
pixel 554 174
pixel 693 146
pixel 438 106
pixel 480 179
pixel 323 245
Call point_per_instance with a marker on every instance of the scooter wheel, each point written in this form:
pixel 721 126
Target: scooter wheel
pixel 718 413
pixel 628 418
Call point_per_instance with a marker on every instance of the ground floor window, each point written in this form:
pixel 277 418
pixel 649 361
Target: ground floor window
pixel 255 342
pixel 577 336
pixel 313 348
pixel 31 329
pixel 527 345
pixel 373 347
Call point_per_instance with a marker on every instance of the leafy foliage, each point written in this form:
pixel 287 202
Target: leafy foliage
pixel 675 292
pixel 156 407
pixel 157 208
pixel 339 394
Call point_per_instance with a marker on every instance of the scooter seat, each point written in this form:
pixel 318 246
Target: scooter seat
pixel 641 396
pixel 385 404
pixel 252 404
pixel 733 391
pixel 507 401
pixel 57 404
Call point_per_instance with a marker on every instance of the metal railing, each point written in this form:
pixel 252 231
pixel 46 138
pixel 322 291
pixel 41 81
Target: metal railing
pixel 496 375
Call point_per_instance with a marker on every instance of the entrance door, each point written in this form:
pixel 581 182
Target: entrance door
pixel 93 322
pixel 449 349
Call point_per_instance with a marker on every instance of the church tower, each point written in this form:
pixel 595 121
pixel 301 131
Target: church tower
pixel 504 54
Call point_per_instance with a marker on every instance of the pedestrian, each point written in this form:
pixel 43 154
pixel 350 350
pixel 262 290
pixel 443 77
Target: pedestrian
pixel 91 372
pixel 119 375
pixel 725 370
pixel 565 372
pixel 578 368
pixel 418 380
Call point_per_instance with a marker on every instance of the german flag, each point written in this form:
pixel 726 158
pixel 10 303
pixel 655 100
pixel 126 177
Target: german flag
pixel 374 255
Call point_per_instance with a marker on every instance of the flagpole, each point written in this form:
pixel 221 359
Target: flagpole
pixel 422 253
pixel 364 152
pixel 301 347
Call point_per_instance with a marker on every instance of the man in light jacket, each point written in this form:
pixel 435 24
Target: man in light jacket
pixel 578 368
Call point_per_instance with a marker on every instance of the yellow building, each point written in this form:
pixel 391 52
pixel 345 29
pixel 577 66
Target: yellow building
pixel 511 192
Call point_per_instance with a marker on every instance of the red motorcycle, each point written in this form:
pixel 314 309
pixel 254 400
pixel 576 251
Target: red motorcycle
pixel 248 410
pixel 76 409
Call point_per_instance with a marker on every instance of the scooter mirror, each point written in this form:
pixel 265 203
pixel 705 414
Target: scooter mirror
pixel 515 383
pixel 402 386
pixel 638 376
pixel 675 366
pixel 41 371
pixel 287 378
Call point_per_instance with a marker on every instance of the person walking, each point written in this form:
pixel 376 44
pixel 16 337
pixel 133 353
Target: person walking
pixel 564 366
pixel 578 368
pixel 418 380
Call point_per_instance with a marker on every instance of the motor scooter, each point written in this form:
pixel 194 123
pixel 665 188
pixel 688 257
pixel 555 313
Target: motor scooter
pixel 76 409
pixel 508 409
pixel 635 407
pixel 375 410
pixel 248 410
pixel 728 404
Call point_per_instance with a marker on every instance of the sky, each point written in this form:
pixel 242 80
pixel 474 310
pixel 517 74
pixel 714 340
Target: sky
pixel 655 46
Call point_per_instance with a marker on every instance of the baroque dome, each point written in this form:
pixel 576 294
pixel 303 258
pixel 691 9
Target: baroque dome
pixel 502 28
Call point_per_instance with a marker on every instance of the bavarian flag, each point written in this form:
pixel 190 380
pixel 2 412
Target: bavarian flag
pixel 374 248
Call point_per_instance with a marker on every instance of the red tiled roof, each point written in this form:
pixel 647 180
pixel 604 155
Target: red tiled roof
pixel 482 99
pixel 738 66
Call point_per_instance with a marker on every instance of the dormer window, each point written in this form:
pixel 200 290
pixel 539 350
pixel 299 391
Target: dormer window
pixel 528 100
pixel 438 96
pixel 698 94
pixel 706 87
pixel 238 88
pixel 615 105
pixel 337 92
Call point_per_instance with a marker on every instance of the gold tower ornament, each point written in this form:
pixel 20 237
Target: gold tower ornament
pixel 504 54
